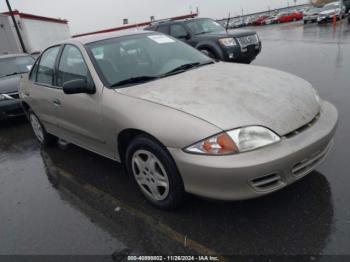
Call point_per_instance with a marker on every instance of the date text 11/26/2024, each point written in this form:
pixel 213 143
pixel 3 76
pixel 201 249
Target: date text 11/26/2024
pixel 173 258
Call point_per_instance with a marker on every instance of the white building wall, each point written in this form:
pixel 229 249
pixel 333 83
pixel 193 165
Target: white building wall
pixel 9 43
pixel 38 35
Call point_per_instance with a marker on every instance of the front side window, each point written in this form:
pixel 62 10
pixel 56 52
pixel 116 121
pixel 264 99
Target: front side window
pixel 46 66
pixel 15 65
pixel 178 31
pixel 144 55
pixel 204 26
pixel 330 7
pixel 72 65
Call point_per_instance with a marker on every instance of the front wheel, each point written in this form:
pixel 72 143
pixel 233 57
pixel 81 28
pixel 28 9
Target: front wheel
pixel 155 173
pixel 42 136
pixel 208 53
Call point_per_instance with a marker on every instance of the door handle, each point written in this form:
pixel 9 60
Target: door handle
pixel 56 102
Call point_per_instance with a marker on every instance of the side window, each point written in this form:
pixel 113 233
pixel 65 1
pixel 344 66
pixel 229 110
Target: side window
pixel 178 31
pixel 163 29
pixel 46 66
pixel 72 66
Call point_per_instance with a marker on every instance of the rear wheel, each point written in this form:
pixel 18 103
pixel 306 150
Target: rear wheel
pixel 42 136
pixel 155 173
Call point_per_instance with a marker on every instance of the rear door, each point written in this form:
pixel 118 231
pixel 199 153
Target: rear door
pixel 79 118
pixel 41 93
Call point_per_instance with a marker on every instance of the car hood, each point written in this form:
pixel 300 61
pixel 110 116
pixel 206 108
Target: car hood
pixel 230 33
pixel 233 95
pixel 9 84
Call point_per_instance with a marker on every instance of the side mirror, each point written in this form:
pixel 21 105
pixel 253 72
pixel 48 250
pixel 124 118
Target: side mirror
pixel 78 86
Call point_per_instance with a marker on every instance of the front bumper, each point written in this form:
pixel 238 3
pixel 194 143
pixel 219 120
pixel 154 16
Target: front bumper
pixel 327 18
pixel 310 18
pixel 242 53
pixel 10 108
pixel 260 172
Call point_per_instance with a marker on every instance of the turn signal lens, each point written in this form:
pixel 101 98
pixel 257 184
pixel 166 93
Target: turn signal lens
pixel 220 144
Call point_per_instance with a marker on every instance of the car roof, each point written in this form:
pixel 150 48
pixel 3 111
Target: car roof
pixel 12 55
pixel 333 3
pixel 168 22
pixel 103 36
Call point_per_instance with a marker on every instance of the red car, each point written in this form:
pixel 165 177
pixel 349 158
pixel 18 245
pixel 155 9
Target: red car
pixel 289 17
pixel 260 20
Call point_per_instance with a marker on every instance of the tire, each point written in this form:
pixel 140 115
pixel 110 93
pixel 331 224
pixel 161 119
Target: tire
pixel 305 22
pixel 208 53
pixel 155 173
pixel 44 138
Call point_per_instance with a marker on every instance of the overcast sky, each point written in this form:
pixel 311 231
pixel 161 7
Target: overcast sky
pixel 88 15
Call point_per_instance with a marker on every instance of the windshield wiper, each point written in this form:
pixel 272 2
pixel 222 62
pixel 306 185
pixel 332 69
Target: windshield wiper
pixel 134 80
pixel 186 67
pixel 13 74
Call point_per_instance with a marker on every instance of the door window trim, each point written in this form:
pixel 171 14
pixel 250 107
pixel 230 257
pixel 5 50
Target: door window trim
pixel 54 69
pixel 59 58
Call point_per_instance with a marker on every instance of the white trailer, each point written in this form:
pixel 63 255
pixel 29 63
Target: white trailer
pixel 37 32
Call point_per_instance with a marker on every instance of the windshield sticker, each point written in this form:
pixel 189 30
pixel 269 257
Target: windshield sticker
pixel 161 39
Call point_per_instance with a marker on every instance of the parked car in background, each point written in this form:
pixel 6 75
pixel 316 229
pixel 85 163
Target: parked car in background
pixel 236 24
pixel 328 12
pixel 212 39
pixel 260 20
pixel 12 69
pixel 271 20
pixel 289 17
pixel 311 15
pixel 81 91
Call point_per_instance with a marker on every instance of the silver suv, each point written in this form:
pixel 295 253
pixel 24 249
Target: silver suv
pixel 179 121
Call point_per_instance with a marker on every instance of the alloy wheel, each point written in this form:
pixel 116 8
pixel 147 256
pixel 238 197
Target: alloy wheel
pixel 150 175
pixel 37 128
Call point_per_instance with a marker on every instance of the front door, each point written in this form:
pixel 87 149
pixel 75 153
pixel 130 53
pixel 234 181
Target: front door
pixel 79 115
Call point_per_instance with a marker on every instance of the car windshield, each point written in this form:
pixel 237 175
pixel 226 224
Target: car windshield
pixel 330 7
pixel 204 26
pixel 15 65
pixel 141 58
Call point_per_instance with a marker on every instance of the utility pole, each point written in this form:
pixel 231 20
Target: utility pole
pixel 16 27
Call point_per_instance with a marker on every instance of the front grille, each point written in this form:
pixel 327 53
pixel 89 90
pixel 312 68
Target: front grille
pixel 14 95
pixel 244 41
pixel 267 182
pixel 11 96
pixel 304 167
pixel 303 128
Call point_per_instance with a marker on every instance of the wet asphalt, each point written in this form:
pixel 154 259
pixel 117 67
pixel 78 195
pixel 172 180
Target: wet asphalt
pixel 67 200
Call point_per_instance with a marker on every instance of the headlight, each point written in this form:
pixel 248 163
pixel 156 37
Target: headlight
pixel 2 97
pixel 236 141
pixel 227 42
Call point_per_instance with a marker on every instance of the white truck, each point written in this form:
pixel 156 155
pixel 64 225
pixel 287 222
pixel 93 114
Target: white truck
pixel 37 32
